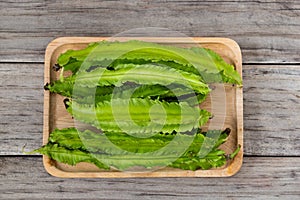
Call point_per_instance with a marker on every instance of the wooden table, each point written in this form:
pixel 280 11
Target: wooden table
pixel 268 32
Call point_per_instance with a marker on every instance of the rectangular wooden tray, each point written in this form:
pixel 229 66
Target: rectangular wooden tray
pixel 55 115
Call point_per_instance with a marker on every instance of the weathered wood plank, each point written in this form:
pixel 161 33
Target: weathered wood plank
pixel 259 178
pixel 21 110
pixel 267 31
pixel 271 108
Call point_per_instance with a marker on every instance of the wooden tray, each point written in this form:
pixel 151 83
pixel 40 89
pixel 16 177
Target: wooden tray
pixel 55 115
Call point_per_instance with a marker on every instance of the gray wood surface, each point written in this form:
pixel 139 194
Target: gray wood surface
pixel 260 178
pixel 269 35
pixel 271 108
pixel 267 30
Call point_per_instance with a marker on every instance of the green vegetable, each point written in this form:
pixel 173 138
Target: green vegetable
pixel 87 140
pixel 140 74
pixel 71 157
pixel 206 62
pixel 169 93
pixel 72 146
pixel 72 56
pixel 149 115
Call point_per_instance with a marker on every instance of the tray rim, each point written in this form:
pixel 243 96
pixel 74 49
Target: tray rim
pixel 228 171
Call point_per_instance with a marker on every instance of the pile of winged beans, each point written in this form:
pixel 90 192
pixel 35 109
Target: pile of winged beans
pixel 144 99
